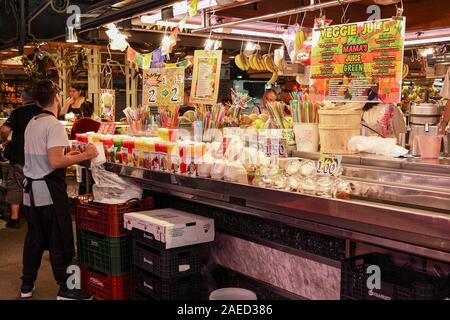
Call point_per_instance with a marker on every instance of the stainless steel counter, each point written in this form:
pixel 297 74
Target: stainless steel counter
pixel 424 232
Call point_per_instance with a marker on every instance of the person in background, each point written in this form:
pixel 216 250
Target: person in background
pixel 74 102
pixel 269 96
pixel 45 194
pixel 187 102
pixel 286 97
pixel 17 122
pixel 385 120
pixel 85 123
pixel 445 120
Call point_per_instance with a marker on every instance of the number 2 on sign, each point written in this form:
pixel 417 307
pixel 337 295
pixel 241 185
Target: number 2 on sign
pixel 175 95
pixel 153 93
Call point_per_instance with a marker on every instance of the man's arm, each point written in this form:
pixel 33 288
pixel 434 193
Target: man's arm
pixel 58 160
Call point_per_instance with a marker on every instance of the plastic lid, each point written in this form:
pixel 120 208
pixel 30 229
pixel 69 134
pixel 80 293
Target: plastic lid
pixel 232 294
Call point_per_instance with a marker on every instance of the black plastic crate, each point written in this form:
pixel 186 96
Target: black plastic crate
pixel 109 255
pixel 397 282
pixel 148 239
pixel 167 263
pixel 180 288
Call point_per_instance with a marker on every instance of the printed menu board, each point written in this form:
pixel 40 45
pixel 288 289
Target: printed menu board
pixel 163 87
pixel 358 62
pixel 107 104
pixel 206 76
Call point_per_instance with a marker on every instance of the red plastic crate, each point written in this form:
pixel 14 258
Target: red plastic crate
pixel 106 219
pixel 106 287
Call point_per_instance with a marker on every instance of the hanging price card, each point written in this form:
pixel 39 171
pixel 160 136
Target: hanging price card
pixel 163 87
pixel 329 165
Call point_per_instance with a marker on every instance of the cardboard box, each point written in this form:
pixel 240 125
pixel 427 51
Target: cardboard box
pixel 173 227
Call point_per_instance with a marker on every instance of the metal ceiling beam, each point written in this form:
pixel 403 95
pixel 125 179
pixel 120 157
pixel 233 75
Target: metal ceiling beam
pixel 311 7
pixel 220 36
pixel 124 13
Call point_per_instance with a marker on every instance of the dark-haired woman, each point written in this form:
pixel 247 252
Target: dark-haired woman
pixel 73 103
pixel 85 123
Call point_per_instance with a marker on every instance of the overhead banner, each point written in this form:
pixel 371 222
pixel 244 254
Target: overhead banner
pixel 206 76
pixel 163 87
pixel 358 62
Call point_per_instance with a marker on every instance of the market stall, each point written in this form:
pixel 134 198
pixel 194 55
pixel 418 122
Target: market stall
pixel 312 151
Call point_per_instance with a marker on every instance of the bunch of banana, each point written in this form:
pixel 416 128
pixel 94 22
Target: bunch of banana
pixel 256 62
pixel 405 71
pixel 270 66
pixel 300 37
pixel 242 62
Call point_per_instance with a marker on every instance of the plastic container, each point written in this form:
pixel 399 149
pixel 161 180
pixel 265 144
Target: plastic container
pixel 429 145
pixel 167 263
pixel 106 287
pixel 397 282
pixel 180 288
pixel 106 219
pixel 307 137
pixel 109 255
pixel 232 294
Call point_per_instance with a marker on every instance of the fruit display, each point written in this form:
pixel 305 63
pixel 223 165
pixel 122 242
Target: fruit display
pixel 254 121
pixel 405 71
pixel 256 62
pixel 418 93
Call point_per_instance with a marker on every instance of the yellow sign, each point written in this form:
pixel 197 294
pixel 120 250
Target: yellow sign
pixel 358 62
pixel 206 76
pixel 163 87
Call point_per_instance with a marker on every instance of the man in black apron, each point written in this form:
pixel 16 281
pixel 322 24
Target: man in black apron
pixel 45 197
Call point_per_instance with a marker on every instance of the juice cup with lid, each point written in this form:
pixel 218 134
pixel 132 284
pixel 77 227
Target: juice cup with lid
pixel 163 134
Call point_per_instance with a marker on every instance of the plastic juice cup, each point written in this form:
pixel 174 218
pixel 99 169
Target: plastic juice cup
pixel 90 137
pixel 163 134
pixel 95 137
pixel 81 137
pixel 173 135
pixel 429 145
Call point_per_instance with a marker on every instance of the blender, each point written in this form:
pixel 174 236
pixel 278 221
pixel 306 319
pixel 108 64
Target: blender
pixel 423 118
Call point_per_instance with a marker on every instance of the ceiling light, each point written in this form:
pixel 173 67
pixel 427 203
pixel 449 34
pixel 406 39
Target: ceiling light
pixel 175 24
pixel 179 9
pixel 71 36
pixel 118 41
pixel 250 46
pixel 246 32
pixel 426 52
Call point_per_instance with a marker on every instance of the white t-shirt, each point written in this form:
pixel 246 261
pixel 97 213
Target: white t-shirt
pixel 41 134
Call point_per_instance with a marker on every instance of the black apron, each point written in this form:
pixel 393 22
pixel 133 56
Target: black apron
pixel 57 186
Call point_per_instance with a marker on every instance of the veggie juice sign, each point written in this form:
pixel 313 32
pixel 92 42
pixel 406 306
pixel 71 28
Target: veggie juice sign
pixel 358 62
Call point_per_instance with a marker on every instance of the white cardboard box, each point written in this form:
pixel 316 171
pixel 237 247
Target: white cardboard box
pixel 173 227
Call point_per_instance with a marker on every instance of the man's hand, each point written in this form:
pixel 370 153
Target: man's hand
pixel 90 152
pixel 73 153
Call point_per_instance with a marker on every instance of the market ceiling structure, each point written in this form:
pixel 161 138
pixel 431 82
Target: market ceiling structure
pixel 34 21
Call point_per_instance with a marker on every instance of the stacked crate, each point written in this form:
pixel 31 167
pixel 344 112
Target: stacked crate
pixel 163 270
pixel 104 247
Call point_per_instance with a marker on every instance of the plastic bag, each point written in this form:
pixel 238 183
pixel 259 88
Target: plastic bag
pixel 377 145
pixel 112 189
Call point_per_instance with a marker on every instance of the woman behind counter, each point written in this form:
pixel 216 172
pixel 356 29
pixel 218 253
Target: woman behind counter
pixel 74 102
pixel 85 123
